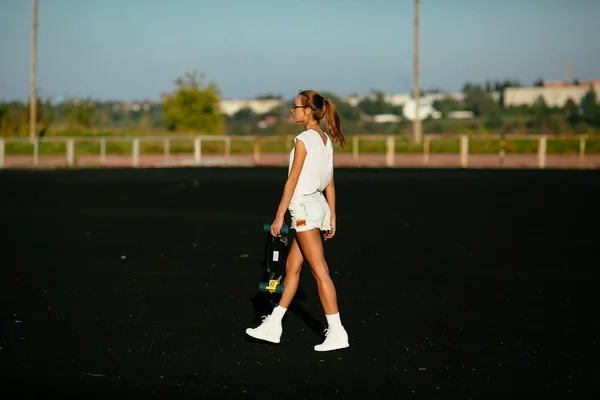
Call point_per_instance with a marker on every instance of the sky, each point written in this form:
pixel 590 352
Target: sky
pixel 131 50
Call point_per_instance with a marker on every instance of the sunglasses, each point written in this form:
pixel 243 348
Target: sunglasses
pixel 297 106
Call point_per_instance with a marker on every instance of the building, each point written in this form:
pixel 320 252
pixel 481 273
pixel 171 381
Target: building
pixel 126 107
pixel 393 99
pixel 562 84
pixel 383 118
pixel 426 110
pixel 403 99
pixel 554 95
pixel 230 107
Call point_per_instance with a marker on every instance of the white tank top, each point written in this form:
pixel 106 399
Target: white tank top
pixel 318 165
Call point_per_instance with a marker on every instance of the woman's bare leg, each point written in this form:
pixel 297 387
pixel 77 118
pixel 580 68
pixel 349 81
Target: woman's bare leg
pixel 293 266
pixel 312 248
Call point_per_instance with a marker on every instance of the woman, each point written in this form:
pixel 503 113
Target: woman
pixel 310 173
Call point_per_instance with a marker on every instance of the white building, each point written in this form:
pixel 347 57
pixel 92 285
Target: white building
pixel 402 99
pixel 230 107
pixel 393 99
pixel 553 96
pixel 383 118
pixel 426 110
pixel 461 115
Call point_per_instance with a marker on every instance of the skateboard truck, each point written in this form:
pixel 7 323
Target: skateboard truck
pixel 272 287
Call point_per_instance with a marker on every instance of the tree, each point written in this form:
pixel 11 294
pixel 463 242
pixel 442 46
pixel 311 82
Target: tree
pixel 44 116
pixel 245 114
pixel 12 117
pixel 545 119
pixel 344 110
pixel 81 113
pixel 376 104
pixel 193 107
pixel 540 108
pixel 447 105
pixel 572 111
pixel 591 108
pixel 499 86
pixel 481 103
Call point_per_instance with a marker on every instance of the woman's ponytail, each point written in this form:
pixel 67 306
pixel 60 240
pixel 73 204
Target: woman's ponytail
pixel 334 125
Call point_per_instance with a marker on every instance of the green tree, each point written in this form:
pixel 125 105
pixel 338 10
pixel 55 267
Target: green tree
pixel 10 119
pixel 447 105
pixel 499 86
pixel 44 116
pixel 545 119
pixel 481 103
pixel 81 113
pixel 245 114
pixel 376 104
pixel 15 117
pixel 591 108
pixel 540 112
pixel 103 115
pixel 345 110
pixel 193 107
pixel 539 108
pixel 572 111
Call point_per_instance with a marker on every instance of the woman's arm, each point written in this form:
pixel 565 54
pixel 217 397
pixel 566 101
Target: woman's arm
pixel 330 196
pixel 290 186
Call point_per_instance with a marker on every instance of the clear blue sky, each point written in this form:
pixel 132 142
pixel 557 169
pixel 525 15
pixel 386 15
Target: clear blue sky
pixel 135 49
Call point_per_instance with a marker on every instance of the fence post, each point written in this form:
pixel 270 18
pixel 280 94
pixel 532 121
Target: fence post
pixel 464 150
pixel 167 149
pixel 136 152
pixel 70 152
pixel 355 141
pixel 227 146
pixel 390 143
pixel 36 151
pixel 2 152
pixel 256 151
pixel 426 150
pixel 542 152
pixel 103 151
pixel 502 151
pixel 582 152
pixel 198 150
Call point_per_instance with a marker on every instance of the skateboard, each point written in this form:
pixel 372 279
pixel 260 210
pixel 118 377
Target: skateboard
pixel 276 250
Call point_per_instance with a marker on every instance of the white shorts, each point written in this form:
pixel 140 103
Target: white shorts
pixel 312 211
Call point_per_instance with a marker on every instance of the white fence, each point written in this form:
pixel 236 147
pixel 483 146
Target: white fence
pixel 389 141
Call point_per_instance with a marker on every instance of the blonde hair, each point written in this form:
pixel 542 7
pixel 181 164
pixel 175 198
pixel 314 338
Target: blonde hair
pixel 323 107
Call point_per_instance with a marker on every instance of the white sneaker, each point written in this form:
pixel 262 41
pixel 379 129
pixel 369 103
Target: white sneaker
pixel 335 339
pixel 269 330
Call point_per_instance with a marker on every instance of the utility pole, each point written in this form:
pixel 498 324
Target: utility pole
pixel 417 91
pixel 32 83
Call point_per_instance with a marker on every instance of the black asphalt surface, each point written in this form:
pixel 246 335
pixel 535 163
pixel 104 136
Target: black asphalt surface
pixel 454 284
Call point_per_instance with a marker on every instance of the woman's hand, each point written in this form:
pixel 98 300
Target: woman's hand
pixel 329 234
pixel 276 226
